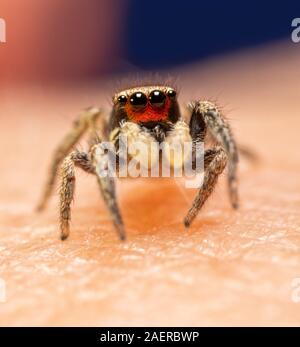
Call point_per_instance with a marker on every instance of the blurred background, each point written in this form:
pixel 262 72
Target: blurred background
pixel 67 40
pixel 231 267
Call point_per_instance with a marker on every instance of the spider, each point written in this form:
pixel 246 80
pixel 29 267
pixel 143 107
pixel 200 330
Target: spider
pixel 147 113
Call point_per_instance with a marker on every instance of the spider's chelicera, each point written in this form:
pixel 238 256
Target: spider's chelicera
pixel 145 121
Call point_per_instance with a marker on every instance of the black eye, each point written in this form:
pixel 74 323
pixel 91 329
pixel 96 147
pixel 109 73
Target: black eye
pixel 157 98
pixel 171 93
pixel 122 99
pixel 138 99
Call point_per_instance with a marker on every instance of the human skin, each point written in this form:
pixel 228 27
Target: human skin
pixel 229 268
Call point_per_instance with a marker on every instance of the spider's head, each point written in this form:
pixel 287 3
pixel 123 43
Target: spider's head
pixel 147 104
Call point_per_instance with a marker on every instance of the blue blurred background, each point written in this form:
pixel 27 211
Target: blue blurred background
pixel 162 33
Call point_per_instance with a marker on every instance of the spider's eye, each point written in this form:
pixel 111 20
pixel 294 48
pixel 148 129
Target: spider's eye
pixel 171 93
pixel 138 99
pixel 157 98
pixel 122 99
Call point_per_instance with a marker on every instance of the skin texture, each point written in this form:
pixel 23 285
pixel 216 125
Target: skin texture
pixel 230 268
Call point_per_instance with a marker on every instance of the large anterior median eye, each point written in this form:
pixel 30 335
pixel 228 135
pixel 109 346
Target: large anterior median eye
pixel 138 99
pixel 157 98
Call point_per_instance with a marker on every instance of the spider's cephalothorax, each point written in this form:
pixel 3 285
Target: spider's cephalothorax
pixel 148 106
pixel 143 113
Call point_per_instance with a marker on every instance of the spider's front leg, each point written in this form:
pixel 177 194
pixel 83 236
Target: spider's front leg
pixel 107 187
pixel 215 160
pixel 89 163
pixel 206 117
pixel 67 187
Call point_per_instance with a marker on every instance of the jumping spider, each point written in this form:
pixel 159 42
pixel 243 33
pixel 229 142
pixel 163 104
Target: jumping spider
pixel 145 112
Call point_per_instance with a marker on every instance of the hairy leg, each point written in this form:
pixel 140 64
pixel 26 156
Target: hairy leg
pixel 206 115
pixel 215 160
pixel 85 121
pixel 107 189
pixel 66 192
